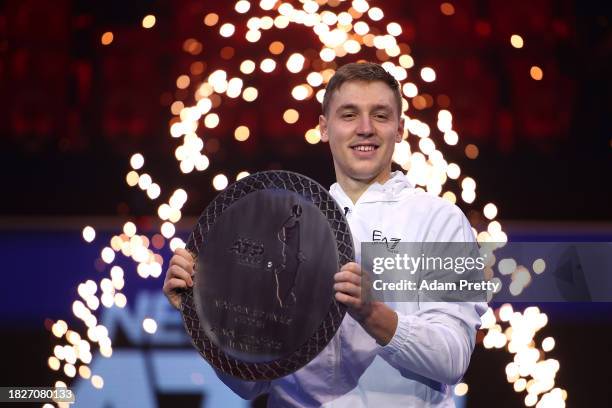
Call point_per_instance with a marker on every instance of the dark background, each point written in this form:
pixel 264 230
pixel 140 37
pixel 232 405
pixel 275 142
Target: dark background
pixel 73 111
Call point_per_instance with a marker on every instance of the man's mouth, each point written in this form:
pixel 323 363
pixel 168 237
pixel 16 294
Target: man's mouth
pixel 364 147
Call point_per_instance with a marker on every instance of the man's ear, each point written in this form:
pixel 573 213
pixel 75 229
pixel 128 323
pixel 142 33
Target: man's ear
pixel 400 130
pixel 323 128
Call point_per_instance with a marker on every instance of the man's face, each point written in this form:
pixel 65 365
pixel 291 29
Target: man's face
pixel 362 127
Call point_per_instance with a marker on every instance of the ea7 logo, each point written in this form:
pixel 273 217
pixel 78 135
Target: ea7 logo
pixel 391 243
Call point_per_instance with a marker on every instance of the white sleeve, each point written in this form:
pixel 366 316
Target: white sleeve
pixel 244 389
pixel 437 341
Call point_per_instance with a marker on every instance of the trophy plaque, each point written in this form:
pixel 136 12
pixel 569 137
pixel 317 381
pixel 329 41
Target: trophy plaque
pixel 267 248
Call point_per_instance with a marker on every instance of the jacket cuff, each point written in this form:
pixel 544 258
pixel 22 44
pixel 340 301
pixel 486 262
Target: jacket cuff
pixel 402 332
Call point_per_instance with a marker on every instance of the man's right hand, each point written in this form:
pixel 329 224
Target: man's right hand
pixel 178 276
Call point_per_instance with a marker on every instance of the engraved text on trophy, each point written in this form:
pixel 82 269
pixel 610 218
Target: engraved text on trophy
pixel 247 252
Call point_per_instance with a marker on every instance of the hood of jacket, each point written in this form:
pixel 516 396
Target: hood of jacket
pixel 394 189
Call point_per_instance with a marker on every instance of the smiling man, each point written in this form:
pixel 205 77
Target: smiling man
pixel 403 354
pixel 362 121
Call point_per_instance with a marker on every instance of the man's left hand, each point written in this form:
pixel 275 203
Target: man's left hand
pixel 378 319
pixel 350 293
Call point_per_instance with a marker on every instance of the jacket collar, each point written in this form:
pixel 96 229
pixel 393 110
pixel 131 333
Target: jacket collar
pixel 390 191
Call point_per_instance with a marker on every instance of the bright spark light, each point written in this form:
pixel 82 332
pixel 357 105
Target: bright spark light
pixel 344 18
pixel 250 94
pixel 407 62
pixel 536 73
pixel 267 4
pixel 129 229
pixel 242 6
pixel 300 92
pixel 167 229
pixel 137 161
pixel 490 211
pixel 361 28
pixel 227 30
pixel 360 6
pixel 516 41
pixel 84 372
pixel 295 63
pixel 59 328
pixel 89 234
pixel 247 67
pixel 211 120
pixel 428 74
pixel 108 255
pixel 54 363
pixel 375 14
pixel 453 171
pixel 410 90
pixel 468 183
pixel 132 178
pixel 291 116
pixel 148 21
pixel 97 381
pixel 69 370
pixel 468 196
pixel 451 138
pixel 242 133
pixel 153 191
pixel 253 36
pixel 211 19
pixel 242 175
pixel 394 29
pixel 447 9
pixel 539 265
pixel 107 38
pixel 149 325
pixel 276 48
pixel 220 182
pixel 144 181
pixel 327 54
pixel 314 79
pixel 461 389
pixel 176 243
pixel 267 65
pixel 352 46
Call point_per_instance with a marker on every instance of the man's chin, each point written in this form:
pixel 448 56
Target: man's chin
pixel 368 177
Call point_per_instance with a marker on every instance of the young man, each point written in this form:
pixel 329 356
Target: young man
pixel 383 355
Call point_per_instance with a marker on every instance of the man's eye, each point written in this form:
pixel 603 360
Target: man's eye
pixel 380 116
pixel 348 115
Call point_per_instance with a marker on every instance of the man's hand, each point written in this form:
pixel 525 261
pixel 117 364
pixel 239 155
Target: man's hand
pixel 178 276
pixel 378 319
pixel 349 292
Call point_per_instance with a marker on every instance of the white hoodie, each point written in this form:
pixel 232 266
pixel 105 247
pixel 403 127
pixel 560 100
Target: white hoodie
pixel 433 342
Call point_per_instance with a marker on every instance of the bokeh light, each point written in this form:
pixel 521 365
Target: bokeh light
pixel 428 74
pixel 149 325
pixel 107 38
pixel 516 41
pixel 220 182
pixel 291 116
pixel 536 73
pixel 148 21
pixel 89 234
pixel 242 133
pixel 447 9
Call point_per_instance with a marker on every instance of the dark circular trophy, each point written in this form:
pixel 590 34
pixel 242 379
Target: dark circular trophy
pixel 262 305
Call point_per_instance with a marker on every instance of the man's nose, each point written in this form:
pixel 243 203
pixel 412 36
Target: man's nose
pixel 364 127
